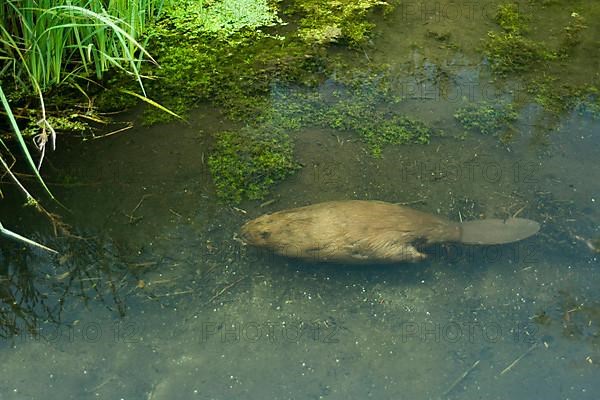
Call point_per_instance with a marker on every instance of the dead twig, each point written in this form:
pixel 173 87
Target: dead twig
pixel 179 293
pixel 175 213
pixel 408 203
pixel 129 126
pixel 512 364
pixel 268 203
pixel 132 218
pixel 209 271
pixel 461 378
pixel 226 288
pixel 519 211
pixel 143 264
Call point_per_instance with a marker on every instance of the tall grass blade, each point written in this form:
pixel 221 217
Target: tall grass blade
pixel 21 141
pixel 16 236
pixel 152 103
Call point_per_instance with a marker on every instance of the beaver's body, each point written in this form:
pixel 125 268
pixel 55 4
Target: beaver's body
pixel 352 231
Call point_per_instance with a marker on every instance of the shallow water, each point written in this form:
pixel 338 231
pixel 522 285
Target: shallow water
pixel 152 296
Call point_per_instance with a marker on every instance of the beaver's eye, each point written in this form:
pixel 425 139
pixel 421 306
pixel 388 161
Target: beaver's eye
pixel 265 235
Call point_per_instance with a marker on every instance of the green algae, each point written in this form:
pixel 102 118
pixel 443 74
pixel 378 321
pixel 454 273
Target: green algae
pixel 558 97
pixel 363 104
pixel 510 51
pixel 245 163
pixel 240 72
pixel 235 74
pixel 510 19
pixel 342 21
pixel 572 34
pixel 589 106
pixel 221 17
pixel 549 70
pixel 221 53
pixel 486 118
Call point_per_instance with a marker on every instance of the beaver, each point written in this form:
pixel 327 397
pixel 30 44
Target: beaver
pixel 367 231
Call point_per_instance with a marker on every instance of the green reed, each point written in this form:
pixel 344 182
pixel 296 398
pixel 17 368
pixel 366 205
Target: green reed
pixel 49 43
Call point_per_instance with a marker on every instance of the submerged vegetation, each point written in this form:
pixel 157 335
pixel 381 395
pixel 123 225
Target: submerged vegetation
pixel 360 103
pixel 326 21
pixel 540 66
pixel 245 163
pixel 236 64
pixel 510 19
pixel 510 50
pixel 558 98
pixel 251 74
pixel 486 118
pixel 589 105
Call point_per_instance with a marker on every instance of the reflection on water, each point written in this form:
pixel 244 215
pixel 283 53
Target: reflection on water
pixel 156 299
pixel 39 291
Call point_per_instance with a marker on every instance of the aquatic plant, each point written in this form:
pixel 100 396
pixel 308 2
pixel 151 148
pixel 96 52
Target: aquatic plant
pixel 234 66
pixel 185 78
pixel 510 19
pixel 548 92
pixel 217 52
pixel 220 17
pixel 589 106
pixel 238 70
pixel 362 104
pixel 551 72
pixel 245 163
pixel 510 51
pixel 486 118
pixel 326 21
pixel 572 33
pixel 557 97
pixel 248 162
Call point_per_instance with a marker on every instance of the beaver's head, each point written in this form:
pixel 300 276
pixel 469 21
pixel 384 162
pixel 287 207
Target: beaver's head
pixel 257 232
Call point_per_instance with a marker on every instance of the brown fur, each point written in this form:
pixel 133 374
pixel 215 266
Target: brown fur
pixel 352 231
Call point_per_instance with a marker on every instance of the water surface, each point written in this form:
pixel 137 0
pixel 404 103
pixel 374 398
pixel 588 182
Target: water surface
pixel 153 297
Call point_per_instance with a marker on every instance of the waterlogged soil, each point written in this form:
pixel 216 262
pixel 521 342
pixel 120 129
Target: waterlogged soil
pixel 154 297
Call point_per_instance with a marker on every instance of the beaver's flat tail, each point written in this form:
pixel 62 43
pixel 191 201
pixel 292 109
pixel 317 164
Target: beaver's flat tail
pixel 497 231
